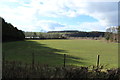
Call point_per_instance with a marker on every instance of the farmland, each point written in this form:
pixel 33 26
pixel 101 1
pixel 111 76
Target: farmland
pixel 79 52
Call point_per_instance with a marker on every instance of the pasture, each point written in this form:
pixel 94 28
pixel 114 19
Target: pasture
pixel 79 52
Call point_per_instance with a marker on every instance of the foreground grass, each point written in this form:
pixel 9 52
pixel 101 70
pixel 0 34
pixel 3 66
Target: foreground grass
pixel 79 52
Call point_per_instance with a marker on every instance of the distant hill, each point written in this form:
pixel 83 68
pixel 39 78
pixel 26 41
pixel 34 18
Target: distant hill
pixel 76 33
pixel 65 31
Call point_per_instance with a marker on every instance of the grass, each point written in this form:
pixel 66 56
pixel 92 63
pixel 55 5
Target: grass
pixel 79 52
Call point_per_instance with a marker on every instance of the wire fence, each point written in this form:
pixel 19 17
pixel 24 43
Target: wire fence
pixel 15 69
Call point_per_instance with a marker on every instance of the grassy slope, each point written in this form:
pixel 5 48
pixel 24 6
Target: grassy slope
pixel 80 52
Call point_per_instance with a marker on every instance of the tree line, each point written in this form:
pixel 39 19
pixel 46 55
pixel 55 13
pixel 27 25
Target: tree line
pixel 112 34
pixel 11 33
pixel 40 35
pixel 62 34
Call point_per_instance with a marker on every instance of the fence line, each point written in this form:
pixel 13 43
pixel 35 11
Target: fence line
pixel 33 60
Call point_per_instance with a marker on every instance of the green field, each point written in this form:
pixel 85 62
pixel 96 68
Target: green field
pixel 79 52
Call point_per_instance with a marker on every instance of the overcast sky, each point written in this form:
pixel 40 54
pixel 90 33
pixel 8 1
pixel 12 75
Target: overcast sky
pixel 49 15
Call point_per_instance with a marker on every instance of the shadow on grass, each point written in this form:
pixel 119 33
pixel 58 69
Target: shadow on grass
pixel 22 51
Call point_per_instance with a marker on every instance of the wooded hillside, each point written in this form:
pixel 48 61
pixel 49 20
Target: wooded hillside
pixel 11 33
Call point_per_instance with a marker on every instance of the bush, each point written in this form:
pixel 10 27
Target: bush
pixel 16 70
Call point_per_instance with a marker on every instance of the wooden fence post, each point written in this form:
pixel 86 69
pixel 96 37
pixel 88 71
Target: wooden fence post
pixel 64 59
pixel 3 60
pixel 98 57
pixel 33 59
